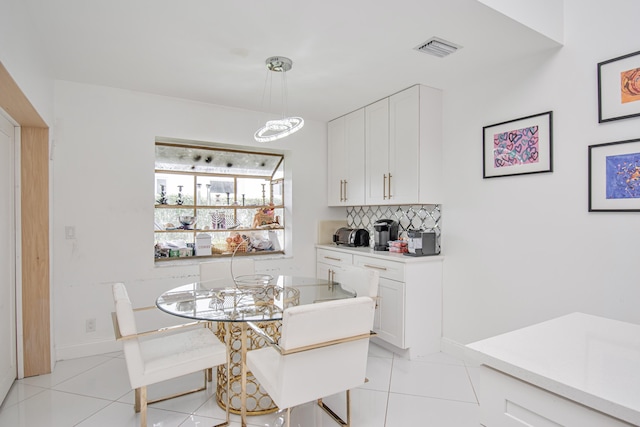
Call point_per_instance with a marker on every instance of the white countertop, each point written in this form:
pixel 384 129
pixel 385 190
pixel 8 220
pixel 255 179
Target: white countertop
pixel 386 255
pixel 588 359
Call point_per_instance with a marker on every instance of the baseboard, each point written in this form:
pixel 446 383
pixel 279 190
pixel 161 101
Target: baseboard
pixel 392 348
pixel 454 348
pixel 88 349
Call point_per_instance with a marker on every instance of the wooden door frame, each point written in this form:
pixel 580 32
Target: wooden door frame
pixel 34 214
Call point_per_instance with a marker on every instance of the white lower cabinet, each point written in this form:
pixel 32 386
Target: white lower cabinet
pixel 389 324
pixel 409 310
pixel 508 402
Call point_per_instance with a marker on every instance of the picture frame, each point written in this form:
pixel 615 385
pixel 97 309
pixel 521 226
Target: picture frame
pixel 614 176
pixel 518 147
pixel 619 88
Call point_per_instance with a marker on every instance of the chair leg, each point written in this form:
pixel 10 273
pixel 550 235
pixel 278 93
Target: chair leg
pixel 335 416
pixel 348 407
pixel 143 406
pixel 288 418
pixel 136 405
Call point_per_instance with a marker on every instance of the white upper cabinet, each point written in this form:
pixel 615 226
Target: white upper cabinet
pixel 430 143
pixel 403 148
pixel 346 160
pixel 377 152
pixel 389 153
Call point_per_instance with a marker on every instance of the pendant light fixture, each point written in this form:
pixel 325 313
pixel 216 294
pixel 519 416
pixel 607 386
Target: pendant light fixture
pixel 276 129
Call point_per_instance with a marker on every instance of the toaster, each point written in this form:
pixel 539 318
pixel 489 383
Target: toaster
pixel 351 237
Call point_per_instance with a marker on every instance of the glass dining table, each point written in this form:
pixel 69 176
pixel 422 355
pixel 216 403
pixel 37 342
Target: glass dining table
pixel 259 299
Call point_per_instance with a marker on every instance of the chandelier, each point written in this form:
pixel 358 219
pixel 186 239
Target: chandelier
pixel 276 129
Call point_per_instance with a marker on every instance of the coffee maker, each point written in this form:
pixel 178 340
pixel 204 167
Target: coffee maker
pixel 385 230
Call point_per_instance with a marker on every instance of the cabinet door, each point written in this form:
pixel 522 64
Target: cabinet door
pixel 390 320
pixel 404 146
pixel 346 160
pixel 377 152
pixel 353 189
pixel 325 271
pixel 336 161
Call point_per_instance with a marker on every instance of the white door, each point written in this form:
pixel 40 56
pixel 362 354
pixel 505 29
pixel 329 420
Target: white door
pixel 404 145
pixel 390 321
pixel 336 158
pixel 8 371
pixel 377 152
pixel 354 149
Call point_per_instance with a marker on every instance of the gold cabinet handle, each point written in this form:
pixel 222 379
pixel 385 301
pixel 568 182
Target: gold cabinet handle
pixel 330 276
pixel 345 190
pixel 389 185
pixel 332 258
pixel 376 267
pixel 341 198
pixel 384 186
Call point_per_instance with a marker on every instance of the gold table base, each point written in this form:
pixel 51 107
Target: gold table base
pixel 246 396
pixel 258 401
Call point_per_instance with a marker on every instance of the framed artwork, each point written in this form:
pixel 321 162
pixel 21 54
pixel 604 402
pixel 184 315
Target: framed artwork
pixel 518 147
pixel 614 176
pixel 619 88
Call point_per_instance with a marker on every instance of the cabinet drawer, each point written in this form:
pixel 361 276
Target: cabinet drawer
pixel 333 257
pixel 387 269
pixel 508 401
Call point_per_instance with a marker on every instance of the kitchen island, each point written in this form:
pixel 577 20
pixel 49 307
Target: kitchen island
pixel 408 318
pixel 576 370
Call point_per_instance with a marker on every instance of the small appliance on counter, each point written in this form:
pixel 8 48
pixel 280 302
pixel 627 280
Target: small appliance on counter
pixel 422 243
pixel 351 237
pixel 385 230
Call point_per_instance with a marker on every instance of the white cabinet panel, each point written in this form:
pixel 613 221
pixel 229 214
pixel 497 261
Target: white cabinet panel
pixel 336 160
pixel 404 146
pixel 389 269
pixel 509 402
pixel 335 258
pixel 377 152
pixel 346 157
pixel 391 312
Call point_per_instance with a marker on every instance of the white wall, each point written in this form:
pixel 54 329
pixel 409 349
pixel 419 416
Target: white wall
pixel 104 187
pixel 543 16
pixel 524 249
pixel 23 55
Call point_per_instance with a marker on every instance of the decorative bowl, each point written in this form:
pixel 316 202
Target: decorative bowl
pixel 187 221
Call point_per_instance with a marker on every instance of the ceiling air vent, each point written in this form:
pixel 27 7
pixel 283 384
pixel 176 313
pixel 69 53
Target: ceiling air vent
pixel 437 47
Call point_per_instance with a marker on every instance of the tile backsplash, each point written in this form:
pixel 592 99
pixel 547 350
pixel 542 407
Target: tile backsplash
pixel 409 217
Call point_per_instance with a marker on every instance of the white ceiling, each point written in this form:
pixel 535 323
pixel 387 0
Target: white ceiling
pixel 346 53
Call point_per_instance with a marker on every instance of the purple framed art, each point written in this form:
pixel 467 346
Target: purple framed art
pixel 614 176
pixel 518 147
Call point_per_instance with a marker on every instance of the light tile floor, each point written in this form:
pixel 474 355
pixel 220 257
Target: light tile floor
pixel 94 391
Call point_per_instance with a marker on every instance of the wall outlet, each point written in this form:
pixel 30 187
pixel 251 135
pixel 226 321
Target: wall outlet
pixel 90 325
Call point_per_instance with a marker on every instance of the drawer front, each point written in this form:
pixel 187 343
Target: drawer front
pixel 387 269
pixel 334 258
pixel 510 402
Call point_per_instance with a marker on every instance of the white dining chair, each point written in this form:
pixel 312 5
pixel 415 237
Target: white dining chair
pixel 164 354
pixel 364 281
pixel 322 351
pixel 220 270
